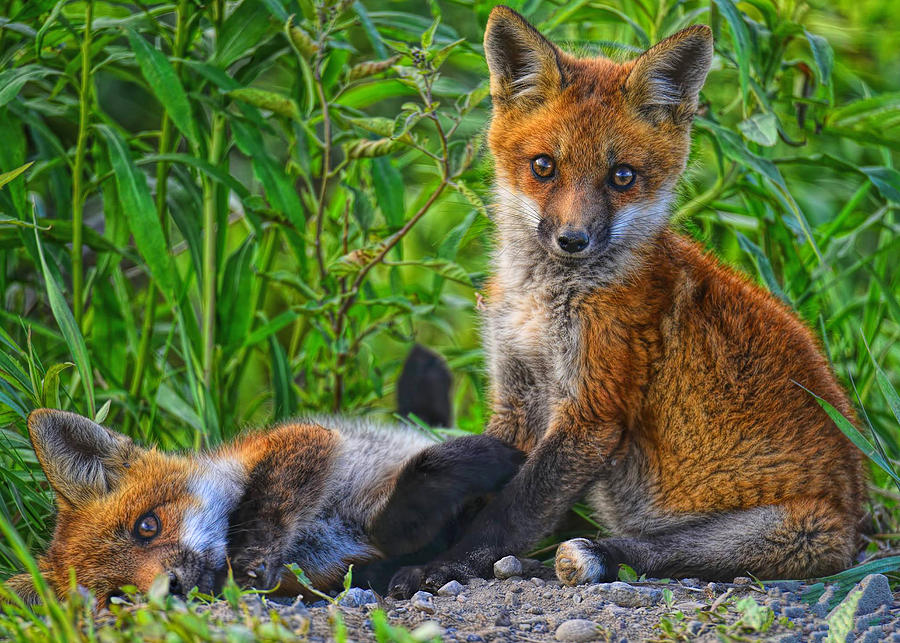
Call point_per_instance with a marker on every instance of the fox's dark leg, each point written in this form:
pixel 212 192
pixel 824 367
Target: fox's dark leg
pixel 799 539
pixel 553 477
pixel 434 487
pixel 285 489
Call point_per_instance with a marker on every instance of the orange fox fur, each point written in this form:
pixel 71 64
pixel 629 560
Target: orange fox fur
pixel 635 370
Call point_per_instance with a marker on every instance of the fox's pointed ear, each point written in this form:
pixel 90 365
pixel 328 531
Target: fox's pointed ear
pixel 524 66
pixel 81 459
pixel 666 80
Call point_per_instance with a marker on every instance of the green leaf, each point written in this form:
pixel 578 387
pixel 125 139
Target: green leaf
pixel 627 574
pixel 443 267
pixel 741 37
pixel 875 107
pixel 6 177
pixel 886 179
pixel 847 579
pixel 428 34
pixel 282 382
pixel 67 326
pixel 853 434
pixel 760 128
pixel 822 54
pixel 165 84
pixel 842 621
pixel 388 191
pixel 764 266
pixel 280 191
pixel 12 80
pixel 100 418
pixel 140 212
pixel 884 383
pixel 50 385
pixel 243 32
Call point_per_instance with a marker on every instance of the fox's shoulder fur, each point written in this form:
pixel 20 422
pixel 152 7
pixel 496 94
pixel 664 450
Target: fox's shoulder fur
pixel 324 493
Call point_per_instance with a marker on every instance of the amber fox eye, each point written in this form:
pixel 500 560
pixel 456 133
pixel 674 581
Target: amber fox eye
pixel 543 167
pixel 147 527
pixel 622 177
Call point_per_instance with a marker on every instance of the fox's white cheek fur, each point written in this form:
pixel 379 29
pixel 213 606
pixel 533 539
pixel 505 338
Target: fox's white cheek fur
pixel 217 486
pixel 637 222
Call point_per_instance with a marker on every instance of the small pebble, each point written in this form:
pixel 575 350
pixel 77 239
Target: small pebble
pixel 503 619
pixel 577 630
pixel 423 601
pixel 507 567
pixel 357 597
pixel 628 596
pixel 694 627
pixel 876 591
pixel 794 611
pixel 453 588
pixel 538 582
pixel 742 580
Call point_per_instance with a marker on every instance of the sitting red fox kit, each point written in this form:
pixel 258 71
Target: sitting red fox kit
pixel 635 370
pixel 321 498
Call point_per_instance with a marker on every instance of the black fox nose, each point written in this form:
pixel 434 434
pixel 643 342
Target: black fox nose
pixel 572 240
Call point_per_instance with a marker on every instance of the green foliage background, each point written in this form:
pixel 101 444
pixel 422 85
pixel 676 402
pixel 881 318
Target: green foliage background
pixel 218 214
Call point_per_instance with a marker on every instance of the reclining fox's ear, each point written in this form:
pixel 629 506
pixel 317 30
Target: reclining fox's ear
pixel 666 80
pixel 524 65
pixel 81 459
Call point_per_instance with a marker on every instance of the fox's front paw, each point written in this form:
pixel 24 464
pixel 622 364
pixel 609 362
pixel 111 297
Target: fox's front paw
pixel 581 561
pixel 431 577
pixel 257 570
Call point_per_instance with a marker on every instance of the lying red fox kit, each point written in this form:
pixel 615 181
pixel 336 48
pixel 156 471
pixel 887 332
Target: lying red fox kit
pixel 322 498
pixel 634 369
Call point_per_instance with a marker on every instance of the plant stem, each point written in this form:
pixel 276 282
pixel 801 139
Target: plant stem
pixel 326 166
pixel 210 212
pixel 78 192
pixel 143 355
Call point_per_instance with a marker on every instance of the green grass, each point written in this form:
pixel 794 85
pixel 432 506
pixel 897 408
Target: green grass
pixel 220 214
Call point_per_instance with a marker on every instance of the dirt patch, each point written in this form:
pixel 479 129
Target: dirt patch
pixel 539 608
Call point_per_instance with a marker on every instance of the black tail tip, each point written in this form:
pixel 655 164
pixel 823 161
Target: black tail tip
pixel 424 387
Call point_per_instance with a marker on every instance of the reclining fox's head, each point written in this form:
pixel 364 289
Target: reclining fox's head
pixel 127 514
pixel 588 151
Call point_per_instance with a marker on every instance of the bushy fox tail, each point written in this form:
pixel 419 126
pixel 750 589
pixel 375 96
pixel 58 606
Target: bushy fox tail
pixel 424 387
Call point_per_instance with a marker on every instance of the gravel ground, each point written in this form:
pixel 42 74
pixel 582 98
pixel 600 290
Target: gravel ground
pixel 536 607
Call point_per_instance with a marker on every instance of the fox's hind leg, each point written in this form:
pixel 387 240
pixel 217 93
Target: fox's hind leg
pixel 803 538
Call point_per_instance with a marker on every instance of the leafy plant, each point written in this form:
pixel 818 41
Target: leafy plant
pixel 215 214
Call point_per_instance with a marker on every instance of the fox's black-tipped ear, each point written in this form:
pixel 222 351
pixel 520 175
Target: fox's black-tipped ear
pixel 524 66
pixel 665 81
pixel 81 459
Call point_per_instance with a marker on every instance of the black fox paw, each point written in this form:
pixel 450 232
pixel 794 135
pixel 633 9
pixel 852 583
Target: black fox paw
pixel 256 570
pixel 580 561
pixel 431 577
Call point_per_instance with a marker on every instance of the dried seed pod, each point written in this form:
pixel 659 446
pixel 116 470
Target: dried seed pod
pixel 370 68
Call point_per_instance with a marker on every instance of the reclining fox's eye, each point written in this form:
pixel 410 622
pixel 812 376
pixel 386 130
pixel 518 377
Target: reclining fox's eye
pixel 543 167
pixel 147 527
pixel 622 177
